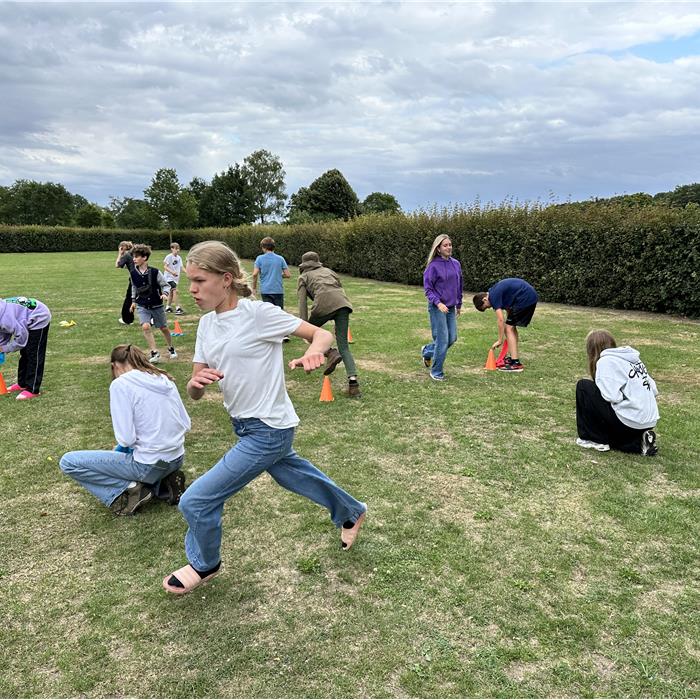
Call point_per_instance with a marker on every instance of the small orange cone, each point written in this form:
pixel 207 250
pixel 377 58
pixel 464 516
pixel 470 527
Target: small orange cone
pixel 3 387
pixel 178 329
pixel 350 340
pixel 326 390
pixel 490 361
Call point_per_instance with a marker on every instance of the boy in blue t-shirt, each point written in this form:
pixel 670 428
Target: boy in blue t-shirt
pixel 271 268
pixel 518 299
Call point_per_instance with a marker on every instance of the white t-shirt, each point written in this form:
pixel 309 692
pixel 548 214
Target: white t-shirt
pixel 246 345
pixel 174 262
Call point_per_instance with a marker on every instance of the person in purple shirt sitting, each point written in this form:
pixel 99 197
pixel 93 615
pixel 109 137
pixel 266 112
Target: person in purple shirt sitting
pixel 442 281
pixel 518 299
pixel 24 326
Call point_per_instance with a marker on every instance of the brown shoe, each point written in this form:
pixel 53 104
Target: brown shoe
pixel 348 535
pixel 129 501
pixel 333 359
pixel 354 390
pixel 174 485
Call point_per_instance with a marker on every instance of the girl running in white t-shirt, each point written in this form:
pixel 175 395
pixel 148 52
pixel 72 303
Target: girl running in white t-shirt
pixel 239 345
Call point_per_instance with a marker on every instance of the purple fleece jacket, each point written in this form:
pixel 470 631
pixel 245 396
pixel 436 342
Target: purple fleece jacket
pixel 442 281
pixel 16 320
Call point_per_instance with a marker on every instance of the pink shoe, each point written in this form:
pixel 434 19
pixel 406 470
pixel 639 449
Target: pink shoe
pixel 26 395
pixel 14 387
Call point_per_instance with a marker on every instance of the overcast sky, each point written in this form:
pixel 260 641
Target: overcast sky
pixel 431 102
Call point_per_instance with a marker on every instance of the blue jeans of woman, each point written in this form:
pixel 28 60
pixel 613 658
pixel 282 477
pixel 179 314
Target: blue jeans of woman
pixel 444 329
pixel 106 474
pixel 260 448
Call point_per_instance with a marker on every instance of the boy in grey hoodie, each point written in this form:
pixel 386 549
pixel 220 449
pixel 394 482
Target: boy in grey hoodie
pixel 617 408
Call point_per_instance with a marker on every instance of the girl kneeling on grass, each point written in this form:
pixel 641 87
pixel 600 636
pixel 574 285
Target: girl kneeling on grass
pixel 150 422
pixel 239 345
pixel 617 407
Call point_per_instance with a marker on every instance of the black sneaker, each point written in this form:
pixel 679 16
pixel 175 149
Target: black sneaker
pixel 512 367
pixel 155 357
pixel 129 501
pixel 649 448
pixel 174 486
pixel 179 311
pixel 333 359
pixel 168 309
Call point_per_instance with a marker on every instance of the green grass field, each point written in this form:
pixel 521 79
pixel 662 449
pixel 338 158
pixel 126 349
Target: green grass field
pixel 498 558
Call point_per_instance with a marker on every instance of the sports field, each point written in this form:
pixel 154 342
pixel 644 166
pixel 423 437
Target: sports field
pixel 497 559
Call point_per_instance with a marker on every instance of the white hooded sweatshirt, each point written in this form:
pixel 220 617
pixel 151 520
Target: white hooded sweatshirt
pixel 623 380
pixel 148 415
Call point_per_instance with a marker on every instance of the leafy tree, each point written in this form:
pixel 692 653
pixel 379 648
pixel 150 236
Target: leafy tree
pixel 682 195
pixel 185 211
pixel 108 220
pixel 89 216
pixel 5 201
pixel 30 202
pixel 228 201
pixel 329 196
pixel 162 195
pixel 380 203
pixel 134 213
pixel 265 174
pixel 197 187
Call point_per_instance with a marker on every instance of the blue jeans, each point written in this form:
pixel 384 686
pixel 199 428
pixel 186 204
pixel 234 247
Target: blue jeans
pixel 444 329
pixel 107 474
pixel 260 448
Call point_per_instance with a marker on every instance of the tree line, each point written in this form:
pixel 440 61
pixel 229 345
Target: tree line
pixel 251 192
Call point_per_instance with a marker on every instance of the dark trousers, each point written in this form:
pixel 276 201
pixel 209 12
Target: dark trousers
pixel 276 299
pixel 30 370
pixel 596 420
pixel 341 318
pixel 127 313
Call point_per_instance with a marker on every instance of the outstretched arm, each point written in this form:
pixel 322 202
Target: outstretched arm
pixel 320 341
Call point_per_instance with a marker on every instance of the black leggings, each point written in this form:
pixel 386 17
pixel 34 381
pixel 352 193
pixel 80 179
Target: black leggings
pixel 30 370
pixel 596 420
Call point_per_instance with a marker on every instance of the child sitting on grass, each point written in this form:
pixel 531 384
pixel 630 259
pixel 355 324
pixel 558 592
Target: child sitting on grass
pixel 24 326
pixel 616 408
pixel 150 422
pixel 148 291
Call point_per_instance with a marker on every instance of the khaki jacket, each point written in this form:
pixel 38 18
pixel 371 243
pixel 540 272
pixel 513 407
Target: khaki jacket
pixel 323 287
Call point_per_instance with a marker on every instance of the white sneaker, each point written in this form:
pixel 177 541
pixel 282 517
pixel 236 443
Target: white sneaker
pixel 590 445
pixel 173 354
pixel 155 357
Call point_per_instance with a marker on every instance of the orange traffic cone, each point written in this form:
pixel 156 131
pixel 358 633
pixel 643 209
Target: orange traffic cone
pixel 3 387
pixel 501 360
pixel 178 329
pixel 490 361
pixel 326 390
pixel 350 340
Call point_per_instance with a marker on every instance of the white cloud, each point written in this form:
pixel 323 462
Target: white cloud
pixel 433 102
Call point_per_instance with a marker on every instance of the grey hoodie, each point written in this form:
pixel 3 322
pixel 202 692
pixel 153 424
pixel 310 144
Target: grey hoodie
pixel 148 415
pixel 623 380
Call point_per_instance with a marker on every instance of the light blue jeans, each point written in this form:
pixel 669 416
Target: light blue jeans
pixel 107 474
pixel 444 329
pixel 260 448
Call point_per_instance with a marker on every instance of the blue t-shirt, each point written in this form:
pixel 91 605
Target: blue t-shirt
pixel 512 293
pixel 271 266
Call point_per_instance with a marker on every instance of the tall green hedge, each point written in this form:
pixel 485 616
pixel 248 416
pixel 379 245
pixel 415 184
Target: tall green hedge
pixel 609 256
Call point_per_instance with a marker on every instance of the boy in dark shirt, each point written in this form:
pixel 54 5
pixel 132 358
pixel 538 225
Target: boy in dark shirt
pixel 518 299
pixel 148 292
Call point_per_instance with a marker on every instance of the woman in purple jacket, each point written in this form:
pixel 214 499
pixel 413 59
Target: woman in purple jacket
pixel 24 326
pixel 442 281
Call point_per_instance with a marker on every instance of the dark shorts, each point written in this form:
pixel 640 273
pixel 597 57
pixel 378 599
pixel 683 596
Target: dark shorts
pixel 157 313
pixel 521 317
pixel 172 283
pixel 276 299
